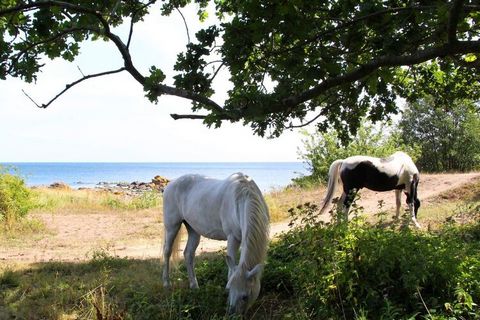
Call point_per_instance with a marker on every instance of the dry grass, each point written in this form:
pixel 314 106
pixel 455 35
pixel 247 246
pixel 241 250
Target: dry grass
pixel 280 201
pixel 92 200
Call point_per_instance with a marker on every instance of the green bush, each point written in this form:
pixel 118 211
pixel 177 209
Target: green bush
pixel 15 198
pixel 358 270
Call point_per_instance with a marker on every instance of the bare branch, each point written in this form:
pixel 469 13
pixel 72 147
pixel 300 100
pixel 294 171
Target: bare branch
pixel 216 72
pixel 70 85
pixel 187 116
pixel 292 126
pixel 185 23
pixel 83 75
pixel 132 20
pixel 39 106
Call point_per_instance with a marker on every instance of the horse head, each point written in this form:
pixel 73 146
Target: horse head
pixel 243 287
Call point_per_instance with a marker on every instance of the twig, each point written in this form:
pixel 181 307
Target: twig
pixel 423 302
pixel 80 71
pixel 185 23
pixel 70 85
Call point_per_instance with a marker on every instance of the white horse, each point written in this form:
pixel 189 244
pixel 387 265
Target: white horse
pixel 397 172
pixel 232 209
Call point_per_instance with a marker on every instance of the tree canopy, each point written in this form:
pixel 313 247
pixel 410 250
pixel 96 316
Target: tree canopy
pixel 291 62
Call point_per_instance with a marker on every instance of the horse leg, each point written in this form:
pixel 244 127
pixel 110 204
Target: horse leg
pixel 398 198
pixel 342 210
pixel 171 231
pixel 345 202
pixel 348 197
pixel 411 207
pixel 189 254
pixel 413 211
pixel 232 248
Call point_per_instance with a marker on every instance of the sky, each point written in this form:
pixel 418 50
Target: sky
pixel 108 119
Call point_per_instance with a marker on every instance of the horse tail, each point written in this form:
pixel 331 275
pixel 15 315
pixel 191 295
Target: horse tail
pixel 333 177
pixel 169 206
pixel 175 257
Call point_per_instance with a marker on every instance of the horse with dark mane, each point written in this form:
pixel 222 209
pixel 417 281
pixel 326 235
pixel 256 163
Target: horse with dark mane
pixel 232 209
pixel 396 172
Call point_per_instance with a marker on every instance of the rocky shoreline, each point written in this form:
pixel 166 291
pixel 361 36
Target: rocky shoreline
pixel 158 183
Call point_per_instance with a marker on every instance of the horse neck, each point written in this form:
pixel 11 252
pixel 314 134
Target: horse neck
pixel 255 230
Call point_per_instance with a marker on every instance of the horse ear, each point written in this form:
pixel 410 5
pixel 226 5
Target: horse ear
pixel 255 271
pixel 230 262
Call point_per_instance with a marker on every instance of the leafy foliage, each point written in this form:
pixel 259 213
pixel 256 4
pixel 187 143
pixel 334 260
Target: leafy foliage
pixel 335 61
pixel 321 149
pixel 448 135
pixel 15 198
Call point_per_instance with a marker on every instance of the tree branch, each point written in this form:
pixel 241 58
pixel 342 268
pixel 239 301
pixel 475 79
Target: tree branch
pixel 296 126
pixel 185 23
pixel 459 47
pixel 188 116
pixel 61 4
pixel 132 20
pixel 70 85
pixel 204 101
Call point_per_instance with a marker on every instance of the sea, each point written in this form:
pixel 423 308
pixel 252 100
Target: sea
pixel 267 175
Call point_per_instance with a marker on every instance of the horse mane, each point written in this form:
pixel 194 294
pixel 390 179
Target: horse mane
pixel 256 233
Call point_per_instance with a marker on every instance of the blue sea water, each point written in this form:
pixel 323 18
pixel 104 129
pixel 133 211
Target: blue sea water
pixel 267 175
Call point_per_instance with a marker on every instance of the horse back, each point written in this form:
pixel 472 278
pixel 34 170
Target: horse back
pixel 394 172
pixel 208 205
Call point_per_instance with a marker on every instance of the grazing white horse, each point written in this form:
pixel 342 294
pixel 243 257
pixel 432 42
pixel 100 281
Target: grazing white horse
pixel 397 172
pixel 232 209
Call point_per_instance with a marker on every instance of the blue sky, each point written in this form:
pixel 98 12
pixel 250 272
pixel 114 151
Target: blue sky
pixel 109 119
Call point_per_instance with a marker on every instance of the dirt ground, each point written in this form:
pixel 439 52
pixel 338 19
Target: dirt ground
pixel 77 237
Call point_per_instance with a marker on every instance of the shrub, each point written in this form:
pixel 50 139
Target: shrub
pixel 449 136
pixel 360 270
pixel 15 198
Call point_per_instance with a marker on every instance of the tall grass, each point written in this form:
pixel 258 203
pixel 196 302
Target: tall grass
pixel 89 200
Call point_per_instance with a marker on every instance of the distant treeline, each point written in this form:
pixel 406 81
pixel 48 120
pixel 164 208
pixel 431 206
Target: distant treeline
pixel 439 139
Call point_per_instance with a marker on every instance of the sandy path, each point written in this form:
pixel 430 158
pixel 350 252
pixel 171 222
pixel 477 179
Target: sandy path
pixel 76 237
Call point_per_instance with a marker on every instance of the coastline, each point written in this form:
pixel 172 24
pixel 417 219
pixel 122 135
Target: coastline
pixel 268 175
